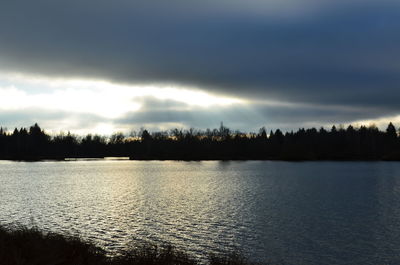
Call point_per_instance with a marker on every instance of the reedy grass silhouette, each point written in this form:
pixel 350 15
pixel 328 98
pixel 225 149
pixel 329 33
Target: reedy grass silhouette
pixel 30 246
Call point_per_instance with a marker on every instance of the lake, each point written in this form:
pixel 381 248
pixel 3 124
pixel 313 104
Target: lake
pixel 278 212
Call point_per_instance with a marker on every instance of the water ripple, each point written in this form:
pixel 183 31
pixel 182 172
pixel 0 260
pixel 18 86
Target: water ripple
pixel 283 213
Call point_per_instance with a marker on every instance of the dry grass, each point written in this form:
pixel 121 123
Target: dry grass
pixel 24 246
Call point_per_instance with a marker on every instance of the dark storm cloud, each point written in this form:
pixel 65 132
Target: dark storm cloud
pixel 149 103
pixel 245 118
pixel 346 53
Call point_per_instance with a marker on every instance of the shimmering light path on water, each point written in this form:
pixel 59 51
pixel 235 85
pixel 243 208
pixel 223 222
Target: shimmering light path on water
pixel 278 212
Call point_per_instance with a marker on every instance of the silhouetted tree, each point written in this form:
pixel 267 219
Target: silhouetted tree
pixel 391 131
pixel 222 143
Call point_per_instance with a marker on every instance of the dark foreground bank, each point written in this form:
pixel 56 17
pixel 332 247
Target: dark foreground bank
pixel 32 247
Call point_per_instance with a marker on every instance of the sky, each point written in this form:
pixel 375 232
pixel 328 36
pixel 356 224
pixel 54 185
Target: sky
pixel 103 66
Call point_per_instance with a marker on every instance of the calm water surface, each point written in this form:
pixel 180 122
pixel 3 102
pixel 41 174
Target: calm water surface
pixel 277 212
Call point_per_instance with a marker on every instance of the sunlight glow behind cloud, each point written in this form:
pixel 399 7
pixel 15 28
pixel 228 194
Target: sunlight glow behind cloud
pixel 105 100
pixel 102 98
pixel 96 106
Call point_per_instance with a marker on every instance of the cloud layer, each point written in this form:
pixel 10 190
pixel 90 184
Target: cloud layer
pixel 340 55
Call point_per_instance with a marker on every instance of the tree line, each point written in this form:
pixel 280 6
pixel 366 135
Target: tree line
pixel 338 143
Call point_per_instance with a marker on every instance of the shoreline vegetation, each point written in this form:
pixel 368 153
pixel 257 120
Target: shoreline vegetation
pixel 23 246
pixel 338 143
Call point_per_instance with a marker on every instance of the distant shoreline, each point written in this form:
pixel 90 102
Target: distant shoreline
pixel 337 144
pixel 77 159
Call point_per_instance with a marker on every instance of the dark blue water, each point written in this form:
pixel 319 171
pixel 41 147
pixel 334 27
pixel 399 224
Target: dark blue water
pixel 277 212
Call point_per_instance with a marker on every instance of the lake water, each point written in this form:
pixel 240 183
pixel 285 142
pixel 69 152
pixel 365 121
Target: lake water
pixel 278 212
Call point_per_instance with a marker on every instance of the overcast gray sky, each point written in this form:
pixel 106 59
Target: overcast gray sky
pixel 103 66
